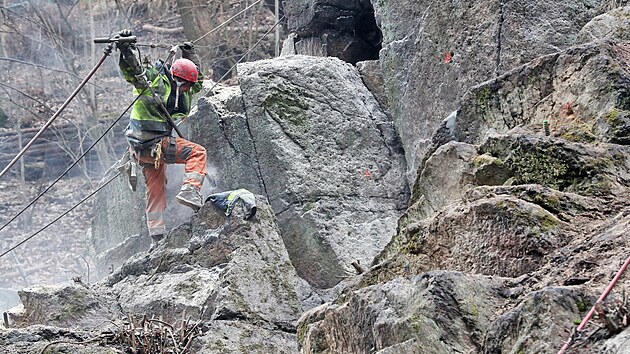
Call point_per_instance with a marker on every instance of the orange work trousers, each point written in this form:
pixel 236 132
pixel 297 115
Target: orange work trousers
pixel 181 151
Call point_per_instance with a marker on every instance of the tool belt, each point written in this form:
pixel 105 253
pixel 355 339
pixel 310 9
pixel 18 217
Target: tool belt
pixel 130 163
pixel 156 152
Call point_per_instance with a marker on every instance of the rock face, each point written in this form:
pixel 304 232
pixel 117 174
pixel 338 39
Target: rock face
pixel 231 275
pixel 309 135
pixel 437 312
pixel 536 321
pixel 582 93
pixel 120 214
pixel 497 194
pixel 216 268
pixel 433 52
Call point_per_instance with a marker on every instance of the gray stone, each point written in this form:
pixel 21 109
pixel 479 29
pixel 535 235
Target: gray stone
pixel 35 338
pixel 619 343
pixel 437 312
pixel 312 138
pixel 120 213
pixel 612 25
pixel 221 125
pixel 502 235
pixel 228 269
pixel 65 305
pixel 372 77
pixel 486 39
pixel 239 337
pixel 537 324
pixel 438 186
pixel 231 275
pixel 109 260
pixel 582 93
pixel 565 166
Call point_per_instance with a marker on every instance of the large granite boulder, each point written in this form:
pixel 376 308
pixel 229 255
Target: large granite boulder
pixel 216 268
pixel 434 51
pixel 307 133
pixel 231 276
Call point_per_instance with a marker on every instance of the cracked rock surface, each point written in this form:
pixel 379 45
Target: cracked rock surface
pixel 307 133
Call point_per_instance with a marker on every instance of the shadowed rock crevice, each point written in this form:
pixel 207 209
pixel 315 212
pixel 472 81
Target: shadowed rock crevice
pixel 343 29
pixel 499 34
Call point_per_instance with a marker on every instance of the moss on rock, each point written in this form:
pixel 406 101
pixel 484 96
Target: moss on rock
pixel 286 104
pixel 557 165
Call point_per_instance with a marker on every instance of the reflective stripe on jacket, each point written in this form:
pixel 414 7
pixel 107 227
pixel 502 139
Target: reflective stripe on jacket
pixel 147 122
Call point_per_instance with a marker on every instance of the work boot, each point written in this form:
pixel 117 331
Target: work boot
pixel 190 197
pixel 154 241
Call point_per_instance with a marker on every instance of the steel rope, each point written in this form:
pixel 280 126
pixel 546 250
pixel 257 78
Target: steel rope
pixel 103 135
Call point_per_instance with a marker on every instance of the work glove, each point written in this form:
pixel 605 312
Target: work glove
pixel 123 46
pixel 189 52
pixel 188 49
pixel 125 33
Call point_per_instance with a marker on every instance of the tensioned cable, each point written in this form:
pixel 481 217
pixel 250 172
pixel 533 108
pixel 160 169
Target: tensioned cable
pixel 226 21
pixel 246 53
pixel 85 80
pixel 132 103
pixel 101 137
pixel 60 216
pixel 71 166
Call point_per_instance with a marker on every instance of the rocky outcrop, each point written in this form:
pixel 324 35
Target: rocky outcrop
pixel 307 133
pixel 498 195
pixel 64 305
pixel 231 275
pixel 216 268
pixel 582 94
pixel 535 323
pixel 434 51
pixel 436 312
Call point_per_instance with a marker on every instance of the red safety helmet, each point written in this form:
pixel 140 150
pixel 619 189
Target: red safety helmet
pixel 185 69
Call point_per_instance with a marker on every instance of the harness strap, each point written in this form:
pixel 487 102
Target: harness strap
pixel 171 151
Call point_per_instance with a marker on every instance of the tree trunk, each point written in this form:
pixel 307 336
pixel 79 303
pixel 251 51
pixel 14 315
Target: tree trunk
pixel 198 19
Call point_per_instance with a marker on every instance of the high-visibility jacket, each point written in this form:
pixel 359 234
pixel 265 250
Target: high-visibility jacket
pixel 226 201
pixel 147 122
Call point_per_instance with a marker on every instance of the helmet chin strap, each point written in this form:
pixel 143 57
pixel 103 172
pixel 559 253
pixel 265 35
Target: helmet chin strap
pixel 179 84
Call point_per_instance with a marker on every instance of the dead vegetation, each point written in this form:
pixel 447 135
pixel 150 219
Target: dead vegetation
pixel 141 335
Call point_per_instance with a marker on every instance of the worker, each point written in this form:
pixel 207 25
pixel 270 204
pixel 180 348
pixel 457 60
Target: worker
pixel 149 130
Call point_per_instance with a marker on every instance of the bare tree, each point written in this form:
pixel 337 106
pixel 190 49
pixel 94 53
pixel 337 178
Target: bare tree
pixel 224 47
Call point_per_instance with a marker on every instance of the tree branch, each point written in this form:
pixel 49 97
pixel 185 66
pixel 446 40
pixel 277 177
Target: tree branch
pixel 28 96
